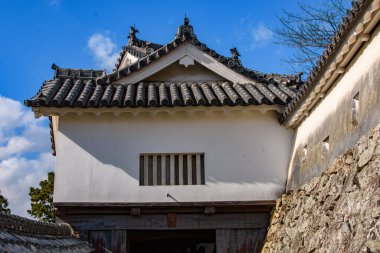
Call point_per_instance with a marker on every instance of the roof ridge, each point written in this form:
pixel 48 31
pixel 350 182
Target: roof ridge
pixel 24 235
pixel 24 225
pixel 136 44
pixel 77 72
pixel 184 33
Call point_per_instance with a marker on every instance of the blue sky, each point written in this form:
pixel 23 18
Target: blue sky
pixel 90 34
pixel 37 33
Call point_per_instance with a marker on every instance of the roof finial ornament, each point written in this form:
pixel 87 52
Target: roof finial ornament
pixel 185 30
pixel 235 56
pixel 298 77
pixel 132 35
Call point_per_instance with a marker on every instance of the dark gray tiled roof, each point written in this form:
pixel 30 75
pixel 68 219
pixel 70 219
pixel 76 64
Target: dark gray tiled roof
pixel 77 73
pixel 94 88
pixel 358 7
pixel 19 234
pixel 83 93
pixel 137 47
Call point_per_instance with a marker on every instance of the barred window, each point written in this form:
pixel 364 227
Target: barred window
pixel 172 169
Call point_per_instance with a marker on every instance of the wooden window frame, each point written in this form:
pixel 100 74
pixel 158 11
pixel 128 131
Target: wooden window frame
pixel 171 169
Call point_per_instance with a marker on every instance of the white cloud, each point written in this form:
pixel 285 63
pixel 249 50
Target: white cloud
pixel 12 115
pixel 54 2
pixel 103 50
pixel 25 155
pixel 252 34
pixel 261 35
pixel 15 145
pixel 18 174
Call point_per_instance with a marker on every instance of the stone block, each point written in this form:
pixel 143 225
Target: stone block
pixel 338 211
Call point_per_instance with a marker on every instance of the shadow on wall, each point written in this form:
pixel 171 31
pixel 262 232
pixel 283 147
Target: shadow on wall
pixel 351 118
pixel 234 153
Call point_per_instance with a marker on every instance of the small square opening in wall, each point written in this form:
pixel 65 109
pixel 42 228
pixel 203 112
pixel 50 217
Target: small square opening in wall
pixel 326 146
pixel 355 110
pixel 304 153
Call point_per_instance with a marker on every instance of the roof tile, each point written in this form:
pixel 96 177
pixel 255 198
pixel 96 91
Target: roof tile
pixel 18 234
pixel 163 93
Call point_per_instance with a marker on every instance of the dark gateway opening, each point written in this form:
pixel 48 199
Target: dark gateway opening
pixel 173 241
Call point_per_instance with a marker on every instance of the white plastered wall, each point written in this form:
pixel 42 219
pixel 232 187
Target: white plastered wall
pixel 332 116
pixel 246 155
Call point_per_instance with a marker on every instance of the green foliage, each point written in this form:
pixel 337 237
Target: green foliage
pixel 4 204
pixel 42 200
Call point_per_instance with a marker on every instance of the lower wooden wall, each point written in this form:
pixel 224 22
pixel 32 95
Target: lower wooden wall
pixel 242 232
pixel 234 232
pixel 239 240
pixel 114 241
pixel 226 240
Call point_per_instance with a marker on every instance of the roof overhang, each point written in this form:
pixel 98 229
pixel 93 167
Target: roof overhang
pixel 73 208
pixel 55 111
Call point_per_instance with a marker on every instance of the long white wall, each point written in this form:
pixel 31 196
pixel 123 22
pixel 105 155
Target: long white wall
pixel 246 155
pixel 333 116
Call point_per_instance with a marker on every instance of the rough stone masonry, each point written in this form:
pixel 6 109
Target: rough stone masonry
pixel 336 212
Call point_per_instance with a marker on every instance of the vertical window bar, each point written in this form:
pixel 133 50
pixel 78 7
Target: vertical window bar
pixel 203 169
pixel 185 169
pixel 150 170
pixel 189 171
pixel 159 170
pixel 194 169
pixel 198 165
pixel 172 170
pixel 163 170
pixel 168 175
pixel 142 170
pixel 145 170
pixel 155 174
pixel 180 169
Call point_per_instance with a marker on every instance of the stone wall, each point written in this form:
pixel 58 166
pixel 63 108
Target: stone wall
pixel 336 212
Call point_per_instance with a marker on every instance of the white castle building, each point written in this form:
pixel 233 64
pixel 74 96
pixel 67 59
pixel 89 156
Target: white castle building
pixel 181 148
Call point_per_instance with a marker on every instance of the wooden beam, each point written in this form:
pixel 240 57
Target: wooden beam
pixel 167 204
pixel 160 221
pixel 157 208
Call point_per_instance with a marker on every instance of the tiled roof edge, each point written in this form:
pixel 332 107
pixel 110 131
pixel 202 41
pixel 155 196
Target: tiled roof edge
pixel 354 14
pixel 63 73
pixel 24 225
pixel 77 73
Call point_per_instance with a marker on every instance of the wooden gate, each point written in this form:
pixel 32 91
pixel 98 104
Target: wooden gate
pixel 239 240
